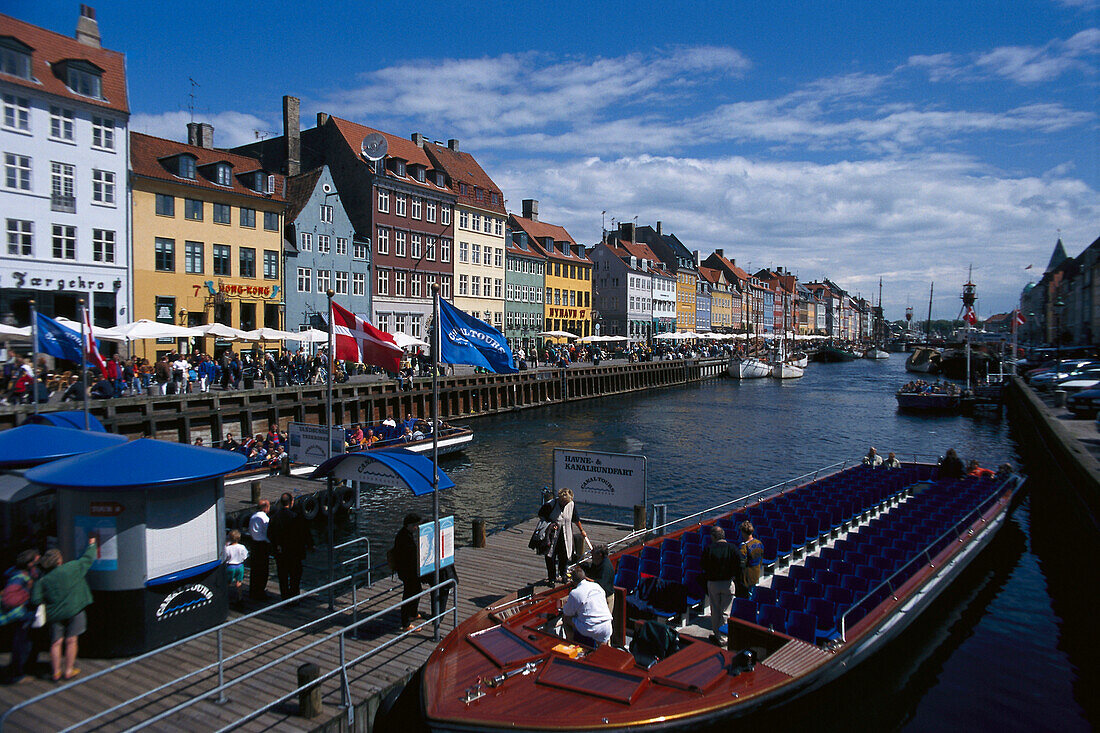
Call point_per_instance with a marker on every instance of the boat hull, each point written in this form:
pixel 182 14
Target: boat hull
pixel 748 368
pixel 923 361
pixel 833 354
pixel 787 371
pixel 918 402
pixel 875 354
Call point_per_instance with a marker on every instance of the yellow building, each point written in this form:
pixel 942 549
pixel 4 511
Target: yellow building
pixel 686 285
pixel 207 236
pixel 721 299
pixel 567 305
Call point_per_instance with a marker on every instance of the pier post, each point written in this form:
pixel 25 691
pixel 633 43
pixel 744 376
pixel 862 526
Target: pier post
pixel 479 532
pixel 309 699
pixel 255 486
pixel 639 517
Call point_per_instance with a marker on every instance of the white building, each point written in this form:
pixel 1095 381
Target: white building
pixel 64 142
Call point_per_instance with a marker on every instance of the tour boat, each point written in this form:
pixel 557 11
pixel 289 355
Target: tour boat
pixel 748 367
pixel 929 401
pixel 851 559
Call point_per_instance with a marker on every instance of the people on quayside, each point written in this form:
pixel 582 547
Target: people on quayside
pixel 562 514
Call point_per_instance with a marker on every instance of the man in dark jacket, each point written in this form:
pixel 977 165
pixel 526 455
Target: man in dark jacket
pixel 406 563
pixel 290 538
pixel 721 565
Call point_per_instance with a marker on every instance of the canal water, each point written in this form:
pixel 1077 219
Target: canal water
pixel 1010 646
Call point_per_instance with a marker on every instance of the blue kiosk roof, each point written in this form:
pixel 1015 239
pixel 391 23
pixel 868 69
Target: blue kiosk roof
pixel 137 464
pixel 67 419
pixel 31 445
pixel 405 468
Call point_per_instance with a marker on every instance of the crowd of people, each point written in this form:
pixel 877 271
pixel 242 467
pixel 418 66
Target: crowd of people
pixel 919 386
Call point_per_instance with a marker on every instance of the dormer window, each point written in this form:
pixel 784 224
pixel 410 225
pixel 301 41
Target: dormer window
pixel 440 179
pixel 185 166
pixel 254 180
pixel 84 78
pixel 495 198
pixel 418 172
pixel 15 58
pixel 223 174
pixel 464 189
pixel 399 168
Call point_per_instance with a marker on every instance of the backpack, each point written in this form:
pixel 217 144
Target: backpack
pixel 15 593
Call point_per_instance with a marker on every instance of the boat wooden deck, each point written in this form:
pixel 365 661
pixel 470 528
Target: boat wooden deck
pixel 485 575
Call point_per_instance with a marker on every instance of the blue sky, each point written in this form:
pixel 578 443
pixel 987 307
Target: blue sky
pixel 847 139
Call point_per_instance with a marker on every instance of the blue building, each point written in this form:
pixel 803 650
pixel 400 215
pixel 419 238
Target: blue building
pixel 322 251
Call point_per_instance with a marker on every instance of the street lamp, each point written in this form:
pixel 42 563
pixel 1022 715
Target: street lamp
pixel 1059 307
pixel 185 340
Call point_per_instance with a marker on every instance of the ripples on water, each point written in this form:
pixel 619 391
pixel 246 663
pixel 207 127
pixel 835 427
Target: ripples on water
pixel 989 653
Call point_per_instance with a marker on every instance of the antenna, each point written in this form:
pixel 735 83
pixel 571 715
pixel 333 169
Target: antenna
pixel 191 98
pixel 374 146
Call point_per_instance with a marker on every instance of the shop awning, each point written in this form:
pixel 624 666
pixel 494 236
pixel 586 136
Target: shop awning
pixel 137 464
pixel 388 467
pixel 67 419
pixel 32 445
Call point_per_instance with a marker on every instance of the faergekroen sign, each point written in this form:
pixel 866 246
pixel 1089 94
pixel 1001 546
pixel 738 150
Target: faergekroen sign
pixel 607 479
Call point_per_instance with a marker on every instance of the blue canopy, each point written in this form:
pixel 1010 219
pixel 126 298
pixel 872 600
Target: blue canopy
pixel 136 464
pixel 31 445
pixel 66 419
pixel 388 467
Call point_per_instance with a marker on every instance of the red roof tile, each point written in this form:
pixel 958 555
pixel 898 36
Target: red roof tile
pixel 397 147
pixel 537 230
pixel 462 168
pixel 148 153
pixel 51 48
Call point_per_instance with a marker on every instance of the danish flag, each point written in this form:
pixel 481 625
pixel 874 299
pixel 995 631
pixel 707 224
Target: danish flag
pixel 970 317
pixel 91 352
pixel 357 340
pixel 1019 320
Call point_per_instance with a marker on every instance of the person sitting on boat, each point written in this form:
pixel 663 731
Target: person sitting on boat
pixel 602 572
pixel 356 437
pixel 721 564
pixel 951 466
pixel 1004 471
pixel 562 514
pixel 752 559
pixel 872 459
pixel 974 469
pixel 370 439
pixel 585 611
pixel 891 461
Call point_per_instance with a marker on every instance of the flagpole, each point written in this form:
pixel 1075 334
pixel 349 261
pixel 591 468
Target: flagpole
pixel 1015 329
pixel 328 441
pixel 34 356
pixel 437 543
pixel 84 361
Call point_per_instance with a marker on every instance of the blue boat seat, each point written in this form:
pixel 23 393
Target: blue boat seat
pixel 649 569
pixel 692 562
pixel 827 577
pixel 764 595
pixel 802 626
pixel 628 562
pixel 650 552
pixel 809 589
pixel 791 602
pixel 783 584
pixel 819 563
pixel 825 612
pixel 799 572
pixel 840 596
pixel 772 617
pixel 672 558
pixel 856 584
pixel 744 609
pixel 627 579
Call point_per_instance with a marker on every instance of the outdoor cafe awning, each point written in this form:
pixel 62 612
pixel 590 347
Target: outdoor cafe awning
pixel 388 467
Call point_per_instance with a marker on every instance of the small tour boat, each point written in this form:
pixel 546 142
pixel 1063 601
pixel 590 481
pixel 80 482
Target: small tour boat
pixel 875 353
pixel 787 370
pixel 852 558
pixel 929 401
pixel 748 367
pixel 799 359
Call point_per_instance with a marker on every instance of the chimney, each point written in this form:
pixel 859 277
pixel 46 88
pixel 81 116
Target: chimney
pixel 322 118
pixel 626 230
pixel 418 139
pixel 453 144
pixel 720 252
pixel 87 29
pixel 200 134
pixel 292 134
pixel 697 261
pixel 658 228
pixel 531 209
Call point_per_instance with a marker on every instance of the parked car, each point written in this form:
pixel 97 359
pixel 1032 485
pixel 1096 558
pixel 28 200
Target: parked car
pixel 1085 403
pixel 1046 379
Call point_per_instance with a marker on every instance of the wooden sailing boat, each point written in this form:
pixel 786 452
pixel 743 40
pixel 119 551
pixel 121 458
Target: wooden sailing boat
pixel 877 350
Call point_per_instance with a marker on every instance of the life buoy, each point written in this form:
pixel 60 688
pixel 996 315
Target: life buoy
pixel 310 506
pixel 322 502
pixel 347 498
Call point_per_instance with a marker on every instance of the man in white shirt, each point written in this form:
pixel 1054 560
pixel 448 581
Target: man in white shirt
pixel 586 611
pixel 181 369
pixel 261 551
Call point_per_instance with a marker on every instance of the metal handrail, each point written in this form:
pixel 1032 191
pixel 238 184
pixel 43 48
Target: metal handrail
pixel 925 553
pixel 148 655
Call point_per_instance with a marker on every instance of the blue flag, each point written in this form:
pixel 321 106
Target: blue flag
pixel 464 339
pixel 57 340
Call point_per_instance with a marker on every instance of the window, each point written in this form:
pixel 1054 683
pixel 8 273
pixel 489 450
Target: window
pixel 166 205
pixel 305 280
pixel 416 285
pixel 399 284
pixel 103 187
pixel 475 286
pixel 164 254
pixel 17 171
pixel 271 221
pixel 271 265
pixel 61 124
pixel 223 175
pixel 399 204
pixel 84 82
pixel 464 219
pixel 445 288
pixel 384 321
pixel 399 241
pixel 17 112
pixel 323 280
pixel 416 251
pixel 341 245
pixel 430 280
pixel 383 284
pixel 63 181
pixel 549 296
pixel 557 269
pixel 186 167
pixel 341 283
pixel 248 218
pixel 498 226
pixel 444 250
pixel 192 257
pixel 445 214
pixel 20 237
pixel 383 241
pixel 475 222
pixel 383 201
pixel 358 283
pixel 429 213
pixel 192 209
pixel 359 250
pixel 323 244
pixel 494 197
pixel 248 262
pixel 498 257
pixel 326 213
pixel 463 252
pixel 429 248
pixel 475 254
pixel 417 202
pixel 15 61
pixel 488 224
pixel 420 171
pixel 463 286
pixel 248 316
pixel 222 262
pixel 223 214
pixel 498 289
pixel 305 242
pixel 463 189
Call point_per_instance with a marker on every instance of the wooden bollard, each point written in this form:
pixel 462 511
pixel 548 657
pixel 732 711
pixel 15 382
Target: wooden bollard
pixel 639 517
pixel 309 699
pixel 284 465
pixel 479 532
pixel 255 486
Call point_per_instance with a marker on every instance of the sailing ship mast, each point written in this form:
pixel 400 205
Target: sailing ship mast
pixel 928 323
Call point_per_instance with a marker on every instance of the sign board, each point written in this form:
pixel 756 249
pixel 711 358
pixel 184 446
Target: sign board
pixel 607 479
pixel 307 443
pixel 447 550
pixel 105 531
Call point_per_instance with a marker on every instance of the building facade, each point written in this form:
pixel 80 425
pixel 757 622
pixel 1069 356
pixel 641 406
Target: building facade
pixel 65 147
pixel 524 280
pixel 207 236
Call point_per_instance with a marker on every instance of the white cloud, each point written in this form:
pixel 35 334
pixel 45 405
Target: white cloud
pixel 230 128
pixel 1022 64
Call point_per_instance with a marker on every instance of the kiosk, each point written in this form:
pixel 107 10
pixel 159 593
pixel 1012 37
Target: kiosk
pixel 157 510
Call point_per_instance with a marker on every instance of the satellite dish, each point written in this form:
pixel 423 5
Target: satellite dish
pixel 374 146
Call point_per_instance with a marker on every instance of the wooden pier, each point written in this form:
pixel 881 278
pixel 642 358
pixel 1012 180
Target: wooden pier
pixel 247 412
pixel 504 567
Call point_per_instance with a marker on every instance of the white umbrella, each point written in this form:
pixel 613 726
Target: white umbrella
pixel 404 340
pixel 311 336
pixel 98 331
pixel 270 334
pixel 668 336
pixel 222 331
pixel 146 329
pixel 14 333
pixel 557 334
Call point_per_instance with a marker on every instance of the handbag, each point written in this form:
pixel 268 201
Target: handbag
pixel 538 537
pixel 39 617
